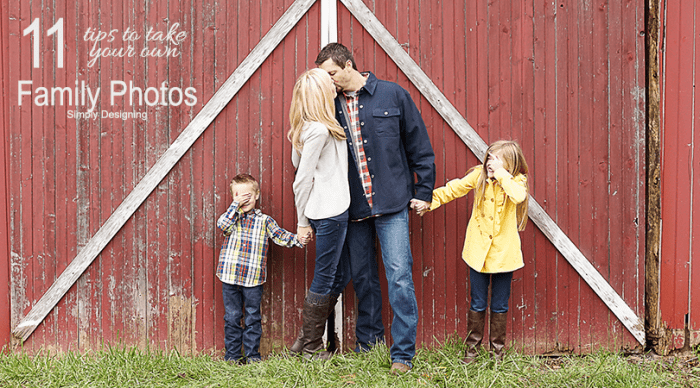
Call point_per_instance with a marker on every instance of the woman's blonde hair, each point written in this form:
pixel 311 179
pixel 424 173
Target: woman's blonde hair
pixel 514 162
pixel 312 100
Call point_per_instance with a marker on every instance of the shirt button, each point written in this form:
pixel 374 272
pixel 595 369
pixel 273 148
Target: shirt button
pixel 372 176
pixel 369 159
pixel 373 193
pixel 361 106
pixel 365 141
pixel 362 123
pixel 386 113
pixel 490 236
pixel 492 200
pixel 490 218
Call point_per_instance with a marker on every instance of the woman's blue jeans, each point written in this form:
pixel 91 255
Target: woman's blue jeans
pixel 500 290
pixel 330 238
pixel 237 298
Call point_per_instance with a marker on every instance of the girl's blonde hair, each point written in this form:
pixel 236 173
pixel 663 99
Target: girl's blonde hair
pixel 514 162
pixel 312 100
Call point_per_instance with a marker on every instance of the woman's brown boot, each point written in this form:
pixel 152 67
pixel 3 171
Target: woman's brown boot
pixel 475 324
pixel 314 314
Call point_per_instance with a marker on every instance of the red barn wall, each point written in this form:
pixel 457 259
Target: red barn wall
pixel 679 283
pixel 565 79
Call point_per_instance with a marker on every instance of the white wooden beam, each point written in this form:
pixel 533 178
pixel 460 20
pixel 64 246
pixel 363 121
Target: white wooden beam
pixel 162 167
pixel 329 22
pixel 438 100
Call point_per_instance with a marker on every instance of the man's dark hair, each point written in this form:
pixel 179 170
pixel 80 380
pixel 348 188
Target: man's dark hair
pixel 338 53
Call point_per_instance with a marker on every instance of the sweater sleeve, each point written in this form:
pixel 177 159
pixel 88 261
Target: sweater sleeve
pixel 314 137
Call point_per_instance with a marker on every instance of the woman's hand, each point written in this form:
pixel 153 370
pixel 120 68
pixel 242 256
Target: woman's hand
pixel 305 234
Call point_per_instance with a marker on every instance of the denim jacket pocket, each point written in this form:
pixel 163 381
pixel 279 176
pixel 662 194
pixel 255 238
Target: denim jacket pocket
pixel 386 121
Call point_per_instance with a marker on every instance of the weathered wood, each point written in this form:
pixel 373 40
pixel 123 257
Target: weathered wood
pixel 162 167
pixel 558 238
pixel 653 185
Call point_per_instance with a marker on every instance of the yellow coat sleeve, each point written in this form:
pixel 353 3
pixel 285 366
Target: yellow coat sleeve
pixel 455 188
pixel 514 187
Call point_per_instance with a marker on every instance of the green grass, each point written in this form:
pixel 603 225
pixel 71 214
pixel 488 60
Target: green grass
pixel 439 367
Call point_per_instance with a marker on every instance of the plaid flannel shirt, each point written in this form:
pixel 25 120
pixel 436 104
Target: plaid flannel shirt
pixel 243 257
pixel 352 99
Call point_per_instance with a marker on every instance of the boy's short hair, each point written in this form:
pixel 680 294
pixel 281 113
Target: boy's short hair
pixel 246 178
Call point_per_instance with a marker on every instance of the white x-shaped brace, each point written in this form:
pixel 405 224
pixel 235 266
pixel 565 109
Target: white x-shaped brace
pixel 229 89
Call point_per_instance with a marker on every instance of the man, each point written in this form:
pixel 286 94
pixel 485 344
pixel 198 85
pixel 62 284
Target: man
pixel 389 145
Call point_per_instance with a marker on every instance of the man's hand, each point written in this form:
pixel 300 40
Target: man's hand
pixel 421 207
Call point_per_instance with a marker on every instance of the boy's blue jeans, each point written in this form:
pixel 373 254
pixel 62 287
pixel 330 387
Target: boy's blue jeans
pixel 500 290
pixel 237 298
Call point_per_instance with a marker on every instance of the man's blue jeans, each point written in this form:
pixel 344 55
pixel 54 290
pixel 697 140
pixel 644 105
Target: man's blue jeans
pixel 392 231
pixel 500 290
pixel 330 238
pixel 236 298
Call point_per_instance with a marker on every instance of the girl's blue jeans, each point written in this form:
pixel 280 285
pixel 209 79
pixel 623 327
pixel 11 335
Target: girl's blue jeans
pixel 500 290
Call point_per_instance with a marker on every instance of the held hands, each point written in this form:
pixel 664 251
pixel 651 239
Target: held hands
pixel 305 234
pixel 421 207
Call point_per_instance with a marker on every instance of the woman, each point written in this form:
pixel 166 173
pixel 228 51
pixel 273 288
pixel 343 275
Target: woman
pixel 322 198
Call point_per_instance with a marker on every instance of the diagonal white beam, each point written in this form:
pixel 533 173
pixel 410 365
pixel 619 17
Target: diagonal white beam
pixel 550 229
pixel 162 167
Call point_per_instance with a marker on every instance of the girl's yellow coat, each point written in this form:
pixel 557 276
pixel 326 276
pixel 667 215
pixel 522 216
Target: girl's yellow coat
pixel 492 243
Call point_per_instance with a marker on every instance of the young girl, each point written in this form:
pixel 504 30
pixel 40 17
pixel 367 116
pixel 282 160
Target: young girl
pixel 492 245
pixel 322 197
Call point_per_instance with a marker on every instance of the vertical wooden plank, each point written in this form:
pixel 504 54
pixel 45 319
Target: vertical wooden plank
pixel 474 39
pixel 5 291
pixel 567 115
pixel 66 187
pixel 616 155
pixel 436 245
pixel 675 170
pixel 455 267
pixel 141 250
pixel 274 134
pixel 525 133
pixel 543 172
pixel 107 165
pixel 206 66
pixel 294 268
pixel 600 323
pixel 453 71
pixel 694 190
pixel 21 291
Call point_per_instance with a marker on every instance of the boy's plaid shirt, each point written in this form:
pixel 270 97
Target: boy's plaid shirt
pixel 243 257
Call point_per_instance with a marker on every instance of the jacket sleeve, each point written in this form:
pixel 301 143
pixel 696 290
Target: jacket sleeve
pixel 314 138
pixel 454 189
pixel 228 219
pixel 419 151
pixel 515 187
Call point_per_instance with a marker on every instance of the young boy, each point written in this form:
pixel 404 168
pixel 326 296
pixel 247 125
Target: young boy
pixel 243 266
